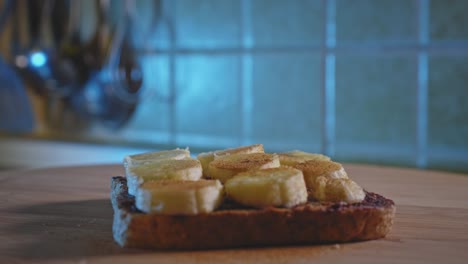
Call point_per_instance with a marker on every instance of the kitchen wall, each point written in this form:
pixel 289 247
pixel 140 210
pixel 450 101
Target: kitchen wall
pixel 369 81
pixel 364 81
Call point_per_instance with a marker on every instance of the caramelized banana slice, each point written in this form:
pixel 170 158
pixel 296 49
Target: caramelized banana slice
pixel 144 158
pixel 294 157
pixel 206 157
pixel 280 187
pixel 338 190
pixel 185 169
pixel 179 197
pixel 316 168
pixel 225 167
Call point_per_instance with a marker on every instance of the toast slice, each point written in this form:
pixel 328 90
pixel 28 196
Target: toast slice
pixel 233 225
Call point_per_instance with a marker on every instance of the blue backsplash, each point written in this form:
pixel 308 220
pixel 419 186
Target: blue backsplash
pixel 365 81
pixel 371 81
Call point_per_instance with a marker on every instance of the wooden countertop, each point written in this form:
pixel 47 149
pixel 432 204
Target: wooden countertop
pixel 64 215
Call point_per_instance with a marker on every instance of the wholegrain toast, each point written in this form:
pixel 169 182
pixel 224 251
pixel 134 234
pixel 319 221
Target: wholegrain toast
pixel 233 225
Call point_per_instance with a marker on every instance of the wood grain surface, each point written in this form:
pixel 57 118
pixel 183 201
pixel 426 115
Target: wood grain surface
pixel 63 215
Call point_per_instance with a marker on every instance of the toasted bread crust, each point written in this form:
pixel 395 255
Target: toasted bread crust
pixel 234 226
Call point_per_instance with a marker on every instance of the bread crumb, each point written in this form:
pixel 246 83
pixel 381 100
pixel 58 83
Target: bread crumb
pixel 336 246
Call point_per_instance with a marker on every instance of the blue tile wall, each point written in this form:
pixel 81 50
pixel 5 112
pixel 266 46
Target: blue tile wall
pixel 379 81
pixel 207 98
pixel 271 57
pixel 207 23
pixel 369 110
pixel 376 106
pixel 448 112
pixel 448 20
pixel 448 101
pixel 152 116
pixel 287 100
pixel 151 28
pixel 301 22
pixel 371 21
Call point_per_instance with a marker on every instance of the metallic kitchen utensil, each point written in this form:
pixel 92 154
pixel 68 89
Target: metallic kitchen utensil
pixel 41 64
pixel 96 79
pixel 112 94
pixel 16 114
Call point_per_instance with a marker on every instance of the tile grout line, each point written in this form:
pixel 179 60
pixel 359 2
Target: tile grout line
pixel 169 10
pixel 246 72
pixel 328 114
pixel 422 86
pixel 346 48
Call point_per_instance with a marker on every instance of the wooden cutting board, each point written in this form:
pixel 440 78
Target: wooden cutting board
pixel 64 215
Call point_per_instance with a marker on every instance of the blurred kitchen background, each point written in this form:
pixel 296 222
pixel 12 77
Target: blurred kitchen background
pixel 380 82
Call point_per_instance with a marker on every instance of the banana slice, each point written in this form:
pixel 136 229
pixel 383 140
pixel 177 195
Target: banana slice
pixel 225 167
pixel 144 158
pixel 316 168
pixel 338 190
pixel 294 157
pixel 185 169
pixel 280 187
pixel 179 197
pixel 206 157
